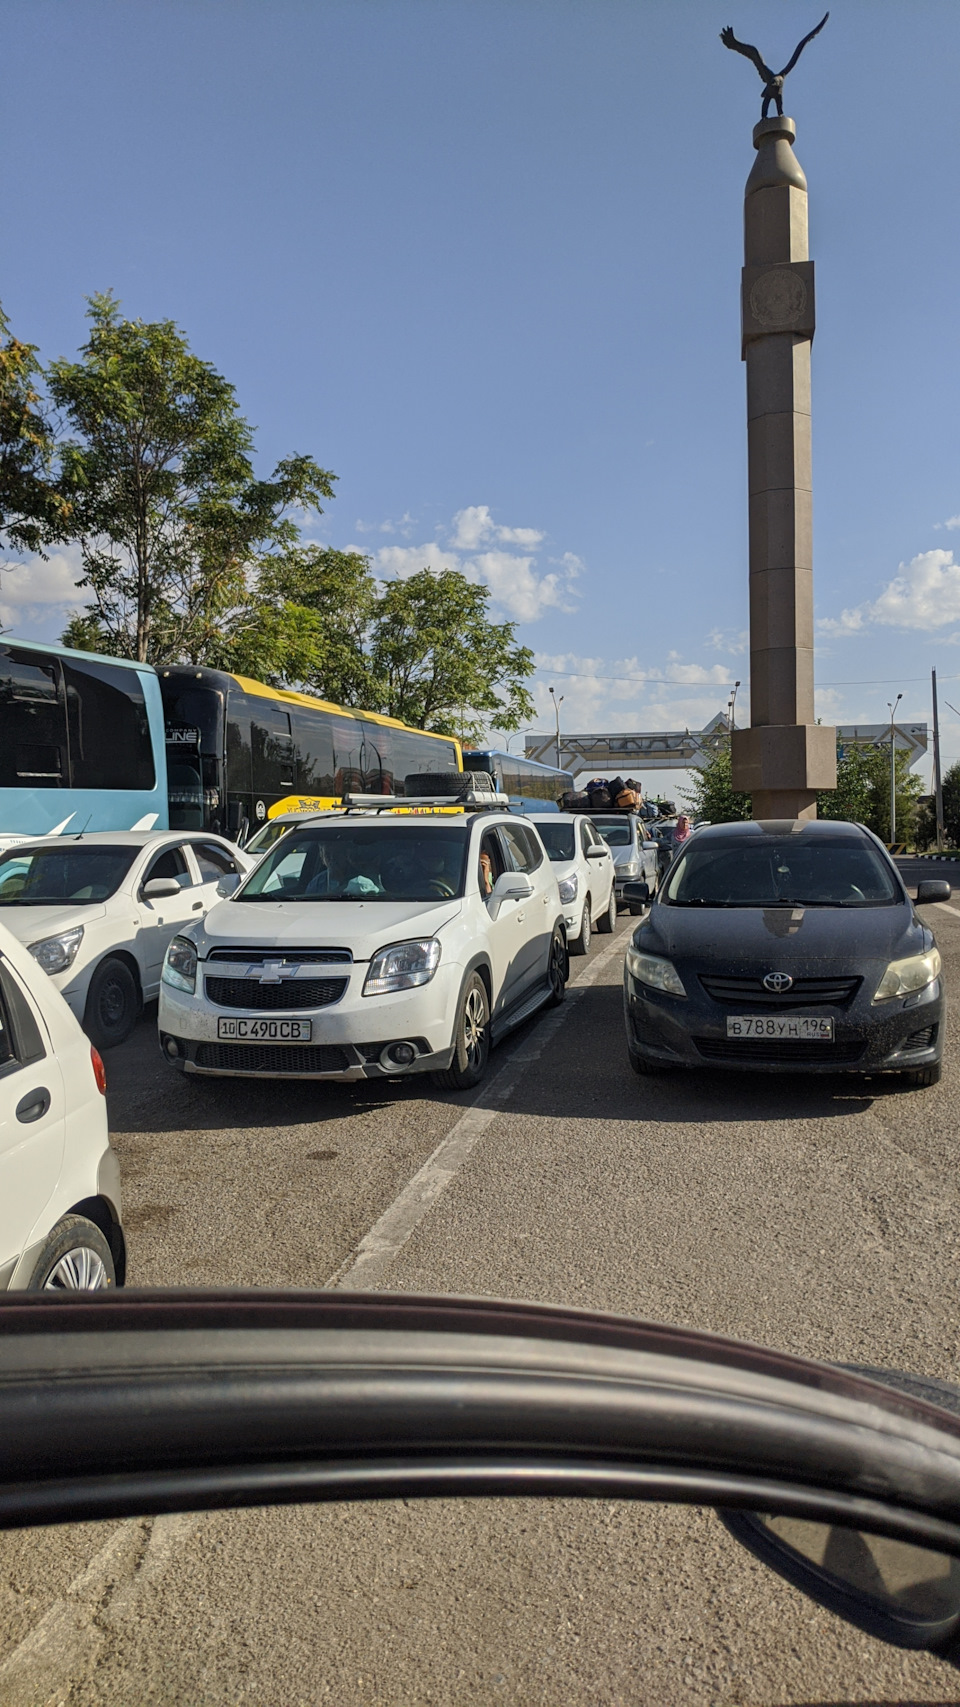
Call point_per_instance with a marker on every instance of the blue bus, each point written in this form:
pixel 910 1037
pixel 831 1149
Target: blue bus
pixel 531 786
pixel 81 742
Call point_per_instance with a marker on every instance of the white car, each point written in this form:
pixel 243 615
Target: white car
pixel 60 1226
pixel 97 913
pixel 277 827
pixel 371 945
pixel 584 869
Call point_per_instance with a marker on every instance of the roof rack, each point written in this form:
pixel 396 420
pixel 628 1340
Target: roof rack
pixel 469 801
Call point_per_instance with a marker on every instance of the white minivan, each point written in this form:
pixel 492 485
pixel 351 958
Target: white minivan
pixel 60 1227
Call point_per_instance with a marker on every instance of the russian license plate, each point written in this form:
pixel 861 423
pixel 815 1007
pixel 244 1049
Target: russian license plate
pixel 803 1028
pixel 267 1030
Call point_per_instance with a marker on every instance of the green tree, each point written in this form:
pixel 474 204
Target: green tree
pixel 305 624
pixel 163 499
pixel 862 794
pixel 31 510
pixel 438 662
pixel 951 804
pixel 713 795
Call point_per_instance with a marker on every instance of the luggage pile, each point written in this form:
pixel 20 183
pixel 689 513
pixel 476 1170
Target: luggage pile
pixel 599 796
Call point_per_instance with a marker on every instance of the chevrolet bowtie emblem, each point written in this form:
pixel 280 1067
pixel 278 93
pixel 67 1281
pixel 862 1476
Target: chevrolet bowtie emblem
pixel 273 970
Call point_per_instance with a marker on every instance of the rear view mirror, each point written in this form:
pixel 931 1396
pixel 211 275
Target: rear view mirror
pixel 510 886
pixel 892 1589
pixel 228 883
pixel 934 889
pixel 597 853
pixel 636 892
pixel 159 888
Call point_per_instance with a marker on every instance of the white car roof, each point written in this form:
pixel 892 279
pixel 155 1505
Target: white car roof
pixel 116 839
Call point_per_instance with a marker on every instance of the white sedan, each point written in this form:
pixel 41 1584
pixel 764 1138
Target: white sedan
pixel 60 1227
pixel 583 866
pixel 97 913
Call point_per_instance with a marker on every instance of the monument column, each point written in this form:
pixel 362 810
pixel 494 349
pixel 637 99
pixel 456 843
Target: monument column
pixel 785 756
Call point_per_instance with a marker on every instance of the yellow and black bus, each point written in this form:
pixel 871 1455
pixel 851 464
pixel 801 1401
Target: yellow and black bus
pixel 239 753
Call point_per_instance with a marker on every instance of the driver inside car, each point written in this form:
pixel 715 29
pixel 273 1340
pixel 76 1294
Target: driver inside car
pixel 342 874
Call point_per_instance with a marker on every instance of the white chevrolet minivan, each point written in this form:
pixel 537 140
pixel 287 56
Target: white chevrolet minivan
pixel 368 945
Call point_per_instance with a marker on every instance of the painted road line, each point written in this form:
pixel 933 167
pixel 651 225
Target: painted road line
pixel 367 1265
pixel 946 908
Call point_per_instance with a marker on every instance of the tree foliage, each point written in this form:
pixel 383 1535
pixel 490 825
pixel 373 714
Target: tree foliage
pixel 305 624
pixel 951 804
pixel 163 499
pixel 862 794
pixel 713 795
pixel 32 512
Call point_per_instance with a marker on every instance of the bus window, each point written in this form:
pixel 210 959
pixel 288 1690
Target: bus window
pixel 33 751
pixel 184 789
pixel 272 744
pixel 239 754
pixel 348 755
pixel 313 741
pixel 110 744
pixel 378 757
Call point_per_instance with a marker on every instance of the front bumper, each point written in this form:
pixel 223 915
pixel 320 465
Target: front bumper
pixel 893 1037
pixel 349 1035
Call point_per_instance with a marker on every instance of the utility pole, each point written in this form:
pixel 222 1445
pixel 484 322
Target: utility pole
pixel 556 712
pixel 937 779
pixel 893 771
pixel 733 707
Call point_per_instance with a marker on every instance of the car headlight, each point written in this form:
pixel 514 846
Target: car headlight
pixel 569 887
pixel 628 868
pixel 402 967
pixel 56 953
pixel 902 977
pixel 655 971
pixel 180 965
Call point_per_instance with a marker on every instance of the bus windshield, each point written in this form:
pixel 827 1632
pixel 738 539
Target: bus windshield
pixel 41 877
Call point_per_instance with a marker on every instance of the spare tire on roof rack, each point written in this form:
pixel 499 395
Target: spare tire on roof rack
pixel 453 784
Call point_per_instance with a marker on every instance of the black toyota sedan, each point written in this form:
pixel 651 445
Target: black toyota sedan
pixel 785 946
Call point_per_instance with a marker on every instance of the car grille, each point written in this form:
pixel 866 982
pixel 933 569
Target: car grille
pixel 780 1050
pixel 289 956
pixel 804 992
pixel 269 998
pixel 272 1058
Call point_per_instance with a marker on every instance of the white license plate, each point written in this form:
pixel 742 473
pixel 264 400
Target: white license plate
pixel 267 1030
pixel 804 1028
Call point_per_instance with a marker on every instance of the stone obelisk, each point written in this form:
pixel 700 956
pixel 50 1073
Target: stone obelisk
pixel 785 756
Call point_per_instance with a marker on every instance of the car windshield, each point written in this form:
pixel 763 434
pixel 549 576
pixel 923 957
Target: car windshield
pixel 841 872
pixel 41 877
pixel 266 837
pixel 615 832
pixel 557 838
pixel 362 862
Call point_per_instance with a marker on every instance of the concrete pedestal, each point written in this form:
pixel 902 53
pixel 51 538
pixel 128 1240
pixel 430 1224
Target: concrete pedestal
pixel 784 757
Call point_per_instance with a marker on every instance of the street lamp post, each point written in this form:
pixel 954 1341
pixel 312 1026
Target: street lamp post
pixel 893 769
pixel 557 702
pixel 733 707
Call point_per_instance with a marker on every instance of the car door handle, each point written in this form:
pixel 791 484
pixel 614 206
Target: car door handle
pixel 198 906
pixel 34 1105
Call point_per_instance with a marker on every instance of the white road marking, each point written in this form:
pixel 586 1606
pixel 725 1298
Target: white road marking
pixel 65 1644
pixel 367 1265
pixel 946 908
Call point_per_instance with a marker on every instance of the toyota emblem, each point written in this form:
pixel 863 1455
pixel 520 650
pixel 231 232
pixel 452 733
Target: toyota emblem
pixel 778 982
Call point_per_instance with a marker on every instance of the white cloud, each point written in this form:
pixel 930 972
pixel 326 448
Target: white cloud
pixel 729 640
pixel 925 595
pixel 951 522
pixel 41 590
pixel 517 586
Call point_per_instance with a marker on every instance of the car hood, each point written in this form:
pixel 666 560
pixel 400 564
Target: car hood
pixel 32 924
pixel 624 856
pixel 362 926
pixel 804 941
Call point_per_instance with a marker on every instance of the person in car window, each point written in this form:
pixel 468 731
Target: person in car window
pixel 486 874
pixel 343 875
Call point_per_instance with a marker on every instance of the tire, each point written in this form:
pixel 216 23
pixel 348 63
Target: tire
pixel 75 1258
pixel 921 1077
pixel 471 1040
pixel 636 908
pixel 559 970
pixel 113 1004
pixel 609 921
pixel 452 784
pixel 581 944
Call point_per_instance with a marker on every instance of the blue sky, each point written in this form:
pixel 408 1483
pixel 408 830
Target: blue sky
pixel 481 258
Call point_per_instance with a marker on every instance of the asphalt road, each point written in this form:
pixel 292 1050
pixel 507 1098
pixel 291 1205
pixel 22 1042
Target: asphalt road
pixel 820 1216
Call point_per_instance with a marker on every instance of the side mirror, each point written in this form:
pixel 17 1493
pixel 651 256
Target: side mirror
pixel 159 888
pixel 636 892
pixel 934 889
pixel 895 1590
pixel 510 886
pixel 229 882
pixel 597 853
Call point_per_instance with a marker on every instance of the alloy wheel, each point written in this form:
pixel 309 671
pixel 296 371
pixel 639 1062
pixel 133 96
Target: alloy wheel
pixel 474 1027
pixel 79 1270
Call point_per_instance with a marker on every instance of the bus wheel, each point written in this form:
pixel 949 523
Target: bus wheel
pixel 113 1004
